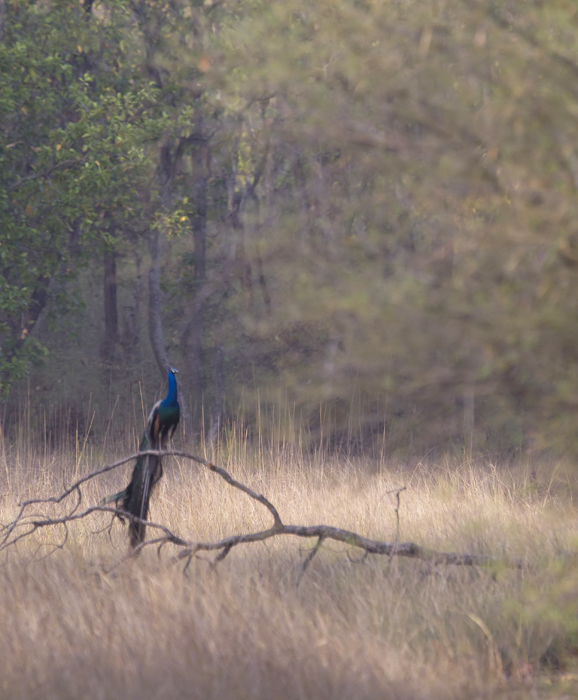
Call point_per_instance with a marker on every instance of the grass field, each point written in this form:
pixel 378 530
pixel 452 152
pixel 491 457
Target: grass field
pixel 351 628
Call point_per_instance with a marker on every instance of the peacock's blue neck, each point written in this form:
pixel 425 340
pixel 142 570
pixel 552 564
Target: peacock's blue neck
pixel 171 397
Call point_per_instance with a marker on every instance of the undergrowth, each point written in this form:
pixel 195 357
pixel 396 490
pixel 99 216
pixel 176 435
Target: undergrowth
pixel 74 625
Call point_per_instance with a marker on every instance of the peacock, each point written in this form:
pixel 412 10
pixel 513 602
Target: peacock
pixel 160 428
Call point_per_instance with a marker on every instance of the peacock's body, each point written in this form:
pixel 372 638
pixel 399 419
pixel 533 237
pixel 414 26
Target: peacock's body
pixel 160 428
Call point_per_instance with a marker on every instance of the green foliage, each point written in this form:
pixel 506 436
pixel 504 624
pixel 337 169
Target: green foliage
pixel 72 152
pixel 420 187
pixel 546 608
pixel 372 203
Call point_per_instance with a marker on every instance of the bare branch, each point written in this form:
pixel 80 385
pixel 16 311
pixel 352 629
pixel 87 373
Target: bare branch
pixel 396 510
pixel 408 549
pixel 58 499
pixel 26 524
pixel 309 558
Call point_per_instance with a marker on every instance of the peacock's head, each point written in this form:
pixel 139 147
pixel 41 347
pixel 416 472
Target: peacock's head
pixel 172 370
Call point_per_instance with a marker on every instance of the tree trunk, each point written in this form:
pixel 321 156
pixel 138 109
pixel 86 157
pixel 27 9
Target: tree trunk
pixel 132 322
pixel 108 347
pixel 193 334
pixel 217 410
pixel 156 334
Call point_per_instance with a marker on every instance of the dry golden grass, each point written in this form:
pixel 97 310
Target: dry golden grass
pixel 373 629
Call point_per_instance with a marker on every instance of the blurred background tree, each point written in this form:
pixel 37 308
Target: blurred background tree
pixel 357 214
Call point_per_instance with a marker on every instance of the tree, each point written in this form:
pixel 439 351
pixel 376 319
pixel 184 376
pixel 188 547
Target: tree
pixel 73 135
pixel 407 218
pixel 369 206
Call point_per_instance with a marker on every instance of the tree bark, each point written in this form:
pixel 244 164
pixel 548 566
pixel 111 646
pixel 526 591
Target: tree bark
pixel 132 321
pixel 193 334
pixel 155 325
pixel 156 334
pixel 217 410
pixel 108 347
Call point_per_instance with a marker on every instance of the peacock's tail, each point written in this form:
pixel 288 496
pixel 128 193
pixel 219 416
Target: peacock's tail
pixel 135 498
pixel 146 473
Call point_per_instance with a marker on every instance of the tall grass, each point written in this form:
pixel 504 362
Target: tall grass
pixel 352 627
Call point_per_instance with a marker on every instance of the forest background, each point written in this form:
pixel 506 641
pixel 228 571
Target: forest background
pixel 350 222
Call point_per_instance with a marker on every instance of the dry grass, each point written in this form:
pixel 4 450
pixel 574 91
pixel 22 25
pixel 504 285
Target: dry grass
pixel 377 629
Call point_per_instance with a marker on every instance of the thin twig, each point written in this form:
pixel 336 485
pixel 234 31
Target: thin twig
pixel 396 509
pixel 309 558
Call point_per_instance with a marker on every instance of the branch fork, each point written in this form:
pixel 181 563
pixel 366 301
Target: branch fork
pixel 25 524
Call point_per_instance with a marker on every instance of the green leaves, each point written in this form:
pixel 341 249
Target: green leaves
pixel 72 148
pixel 380 188
pixel 421 172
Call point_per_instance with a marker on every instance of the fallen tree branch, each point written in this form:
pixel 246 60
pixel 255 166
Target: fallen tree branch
pixel 8 529
pixel 25 524
pixel 327 532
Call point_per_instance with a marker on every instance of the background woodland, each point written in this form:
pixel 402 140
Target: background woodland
pixel 350 222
